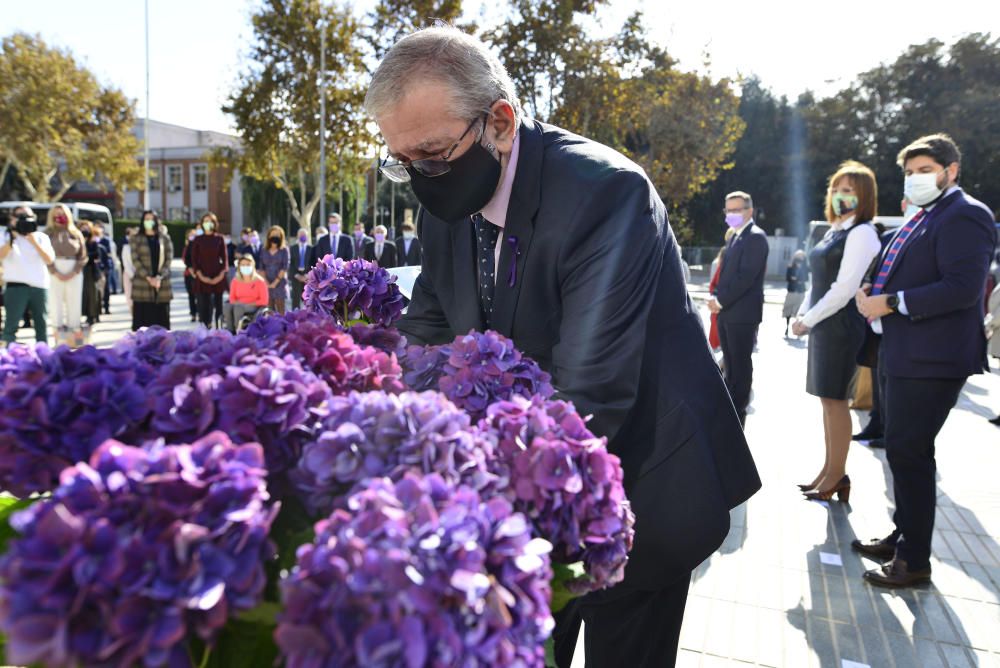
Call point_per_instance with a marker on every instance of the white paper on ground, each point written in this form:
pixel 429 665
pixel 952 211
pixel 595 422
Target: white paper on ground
pixel 831 559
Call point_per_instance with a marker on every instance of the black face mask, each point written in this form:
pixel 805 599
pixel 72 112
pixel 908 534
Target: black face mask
pixel 464 190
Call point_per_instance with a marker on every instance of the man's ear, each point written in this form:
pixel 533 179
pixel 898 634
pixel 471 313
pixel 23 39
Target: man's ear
pixel 503 126
pixel 953 172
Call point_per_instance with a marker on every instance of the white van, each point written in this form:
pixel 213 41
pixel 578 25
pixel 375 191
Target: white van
pixel 95 213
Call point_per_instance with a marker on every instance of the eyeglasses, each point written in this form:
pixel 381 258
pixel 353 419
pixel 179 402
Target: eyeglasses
pixel 431 167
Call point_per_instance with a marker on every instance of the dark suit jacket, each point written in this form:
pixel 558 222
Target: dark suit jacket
pixel 411 258
pixel 941 270
pixel 740 289
pixel 345 247
pixel 594 292
pixel 293 265
pixel 388 259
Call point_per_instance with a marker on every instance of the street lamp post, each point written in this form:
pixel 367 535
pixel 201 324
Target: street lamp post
pixel 322 123
pixel 145 123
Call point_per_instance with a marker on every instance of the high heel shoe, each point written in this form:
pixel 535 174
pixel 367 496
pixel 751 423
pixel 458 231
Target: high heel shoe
pixel 842 489
pixel 811 486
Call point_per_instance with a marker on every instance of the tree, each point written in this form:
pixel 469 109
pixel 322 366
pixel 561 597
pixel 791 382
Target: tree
pixel 627 93
pixel 275 106
pixel 391 20
pixel 58 125
pixel 541 43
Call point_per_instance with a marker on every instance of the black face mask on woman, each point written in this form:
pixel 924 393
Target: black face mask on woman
pixel 462 191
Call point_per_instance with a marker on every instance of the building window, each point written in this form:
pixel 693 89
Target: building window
pixel 176 213
pixel 154 179
pixel 196 215
pixel 175 179
pixel 133 212
pixel 201 177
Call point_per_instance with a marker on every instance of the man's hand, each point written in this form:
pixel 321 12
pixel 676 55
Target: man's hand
pixel 872 308
pixel 799 328
pixel 714 306
pixel 301 278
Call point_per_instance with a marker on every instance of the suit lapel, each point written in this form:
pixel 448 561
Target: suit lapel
pixel 930 218
pixel 519 227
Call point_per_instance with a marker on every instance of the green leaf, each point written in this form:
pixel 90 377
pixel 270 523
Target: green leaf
pixel 561 575
pixel 8 506
pixel 241 643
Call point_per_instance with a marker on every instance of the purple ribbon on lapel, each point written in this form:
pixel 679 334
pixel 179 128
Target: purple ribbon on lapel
pixel 512 273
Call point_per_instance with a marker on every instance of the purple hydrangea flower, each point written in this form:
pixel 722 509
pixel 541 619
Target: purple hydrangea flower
pixel 328 351
pixel 257 397
pixel 135 552
pixel 386 339
pixel 555 471
pixel 418 573
pixel 57 406
pixel 476 370
pixel 375 434
pixel 353 290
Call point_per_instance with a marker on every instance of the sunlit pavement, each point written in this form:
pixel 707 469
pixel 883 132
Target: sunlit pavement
pixel 786 588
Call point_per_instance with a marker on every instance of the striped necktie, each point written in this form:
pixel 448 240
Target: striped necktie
pixel 893 253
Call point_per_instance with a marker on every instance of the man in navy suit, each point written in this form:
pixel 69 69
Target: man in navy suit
pixel 925 298
pixel 302 260
pixel 563 245
pixel 333 241
pixel 408 247
pixel 739 297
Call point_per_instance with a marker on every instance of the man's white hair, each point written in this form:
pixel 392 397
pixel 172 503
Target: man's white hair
pixel 473 74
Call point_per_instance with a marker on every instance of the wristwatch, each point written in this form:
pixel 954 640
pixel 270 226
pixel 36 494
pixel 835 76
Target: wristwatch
pixel 892 301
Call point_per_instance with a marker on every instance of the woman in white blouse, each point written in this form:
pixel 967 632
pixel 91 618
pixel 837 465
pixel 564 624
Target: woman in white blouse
pixel 839 263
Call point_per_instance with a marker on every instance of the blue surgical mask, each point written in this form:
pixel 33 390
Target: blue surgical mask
pixel 246 270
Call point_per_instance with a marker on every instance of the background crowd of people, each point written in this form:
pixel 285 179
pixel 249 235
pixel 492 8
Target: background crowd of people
pixel 61 274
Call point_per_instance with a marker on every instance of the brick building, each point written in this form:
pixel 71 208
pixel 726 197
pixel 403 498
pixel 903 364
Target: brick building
pixel 182 184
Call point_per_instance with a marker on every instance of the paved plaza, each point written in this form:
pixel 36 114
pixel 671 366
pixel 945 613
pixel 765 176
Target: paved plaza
pixel 786 589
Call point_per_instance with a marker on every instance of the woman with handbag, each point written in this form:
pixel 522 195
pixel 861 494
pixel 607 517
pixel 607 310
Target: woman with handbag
pixel 66 291
pixel 151 254
pixel 836 330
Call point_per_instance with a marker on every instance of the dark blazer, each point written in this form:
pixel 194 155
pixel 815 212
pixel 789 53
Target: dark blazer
pixel 411 258
pixel 388 259
pixel 248 249
pixel 293 264
pixel 345 247
pixel 595 294
pixel 359 246
pixel 740 289
pixel 942 272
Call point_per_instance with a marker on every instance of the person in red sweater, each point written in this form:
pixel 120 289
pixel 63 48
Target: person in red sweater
pixel 247 293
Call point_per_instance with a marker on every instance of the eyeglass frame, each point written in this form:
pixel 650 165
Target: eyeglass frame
pixel 414 164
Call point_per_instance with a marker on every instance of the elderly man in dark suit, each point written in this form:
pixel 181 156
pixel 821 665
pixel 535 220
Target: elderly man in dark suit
pixel 739 297
pixel 380 249
pixel 563 245
pixel 408 251
pixel 926 299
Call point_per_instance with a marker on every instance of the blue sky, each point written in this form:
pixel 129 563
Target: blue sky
pixel 196 46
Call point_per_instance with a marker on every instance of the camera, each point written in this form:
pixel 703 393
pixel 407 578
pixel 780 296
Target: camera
pixel 26 224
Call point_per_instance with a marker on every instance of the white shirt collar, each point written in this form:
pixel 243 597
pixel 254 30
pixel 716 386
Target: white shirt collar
pixel 846 224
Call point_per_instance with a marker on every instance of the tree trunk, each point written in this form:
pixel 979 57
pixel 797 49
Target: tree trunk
pixel 3 172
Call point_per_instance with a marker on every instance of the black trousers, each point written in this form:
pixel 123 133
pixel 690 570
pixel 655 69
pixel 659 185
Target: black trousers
pixel 875 423
pixel 210 308
pixel 297 289
pixel 192 297
pixel 737 341
pixel 914 410
pixel 150 314
pixel 624 627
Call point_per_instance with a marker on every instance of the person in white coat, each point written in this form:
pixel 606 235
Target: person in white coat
pixel 128 269
pixel 992 324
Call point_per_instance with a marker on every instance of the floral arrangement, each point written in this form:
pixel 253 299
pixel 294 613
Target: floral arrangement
pixel 310 492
